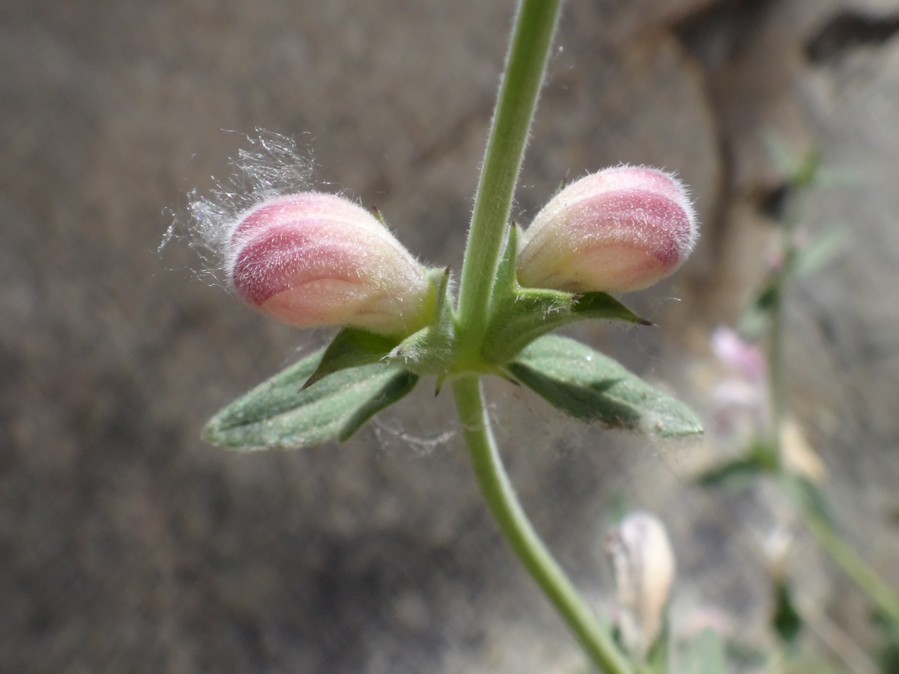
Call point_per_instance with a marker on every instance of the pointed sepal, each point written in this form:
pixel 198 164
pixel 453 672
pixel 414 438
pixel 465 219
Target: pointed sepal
pixel 351 348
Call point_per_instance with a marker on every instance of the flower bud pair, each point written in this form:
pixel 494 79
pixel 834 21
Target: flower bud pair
pixel 314 259
pixel 617 230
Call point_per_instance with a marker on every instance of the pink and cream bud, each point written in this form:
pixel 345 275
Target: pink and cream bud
pixel 314 259
pixel 618 230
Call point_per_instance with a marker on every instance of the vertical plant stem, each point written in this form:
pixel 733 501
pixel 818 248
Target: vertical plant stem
pixel 854 566
pixel 535 24
pixel 515 526
pixel 776 381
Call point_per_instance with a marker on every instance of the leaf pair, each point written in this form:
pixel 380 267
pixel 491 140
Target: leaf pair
pixel 587 385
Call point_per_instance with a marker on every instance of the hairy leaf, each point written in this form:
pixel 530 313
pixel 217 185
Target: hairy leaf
pixel 280 413
pixel 593 387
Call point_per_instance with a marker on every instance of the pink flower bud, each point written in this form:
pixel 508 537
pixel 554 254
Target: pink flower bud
pixel 315 259
pixel 617 230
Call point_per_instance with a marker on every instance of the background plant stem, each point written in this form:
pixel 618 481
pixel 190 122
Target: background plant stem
pixel 515 526
pixel 852 564
pixel 880 594
pixel 535 25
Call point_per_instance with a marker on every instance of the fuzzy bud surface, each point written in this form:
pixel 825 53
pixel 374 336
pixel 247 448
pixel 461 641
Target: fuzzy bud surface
pixel 315 259
pixel 617 230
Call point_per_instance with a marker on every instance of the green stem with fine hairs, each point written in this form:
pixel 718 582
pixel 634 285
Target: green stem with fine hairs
pixel 519 532
pixel 535 25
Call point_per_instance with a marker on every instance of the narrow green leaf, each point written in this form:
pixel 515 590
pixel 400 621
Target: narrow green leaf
pixel 737 473
pixel 281 414
pixel 807 171
pixel 785 620
pixel 783 157
pixel 593 387
pixel 351 348
pixel 818 251
pixel 888 656
pixel 800 170
pixel 760 459
pixel 809 497
pixel 603 305
pixel 756 316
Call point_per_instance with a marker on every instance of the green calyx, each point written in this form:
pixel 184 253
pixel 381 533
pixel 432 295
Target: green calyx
pixel 519 315
pixel 425 351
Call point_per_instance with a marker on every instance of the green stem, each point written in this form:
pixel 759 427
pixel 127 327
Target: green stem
pixel 880 594
pixel 515 526
pixel 535 24
pixel 776 381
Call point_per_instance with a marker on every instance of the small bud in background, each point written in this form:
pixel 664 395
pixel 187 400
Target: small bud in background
pixel 617 230
pixel 314 259
pixel 644 573
pixel 744 358
pixel 740 398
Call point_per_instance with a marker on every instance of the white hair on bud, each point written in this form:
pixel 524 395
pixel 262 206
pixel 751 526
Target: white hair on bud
pixel 272 165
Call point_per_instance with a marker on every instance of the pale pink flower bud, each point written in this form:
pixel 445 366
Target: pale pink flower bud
pixel 745 358
pixel 644 573
pixel 617 230
pixel 313 259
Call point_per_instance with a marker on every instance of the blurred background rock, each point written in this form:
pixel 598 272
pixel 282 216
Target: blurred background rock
pixel 128 545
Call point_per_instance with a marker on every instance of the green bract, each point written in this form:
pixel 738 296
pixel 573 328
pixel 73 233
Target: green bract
pixel 280 413
pixel 590 386
pixel 521 315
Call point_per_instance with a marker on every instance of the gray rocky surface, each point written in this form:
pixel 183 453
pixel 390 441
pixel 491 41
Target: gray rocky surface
pixel 127 545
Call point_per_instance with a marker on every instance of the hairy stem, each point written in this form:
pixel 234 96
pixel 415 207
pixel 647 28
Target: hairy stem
pixel 535 25
pixel 515 526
